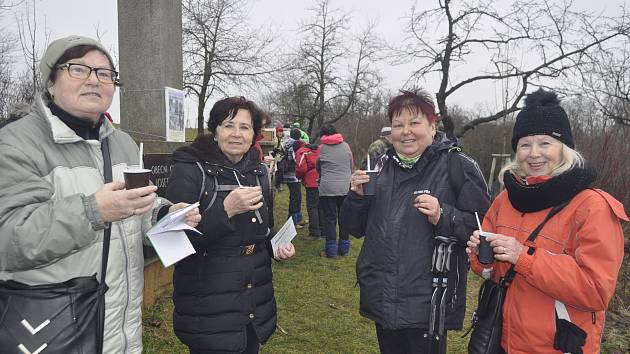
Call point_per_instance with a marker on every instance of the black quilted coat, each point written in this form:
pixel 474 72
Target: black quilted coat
pixel 217 295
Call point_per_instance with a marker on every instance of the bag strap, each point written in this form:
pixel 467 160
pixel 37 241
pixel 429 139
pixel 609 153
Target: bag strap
pixel 455 170
pixel 203 180
pixel 511 273
pixel 107 172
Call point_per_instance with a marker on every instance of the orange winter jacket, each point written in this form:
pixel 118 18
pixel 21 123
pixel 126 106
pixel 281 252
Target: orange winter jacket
pixel 578 255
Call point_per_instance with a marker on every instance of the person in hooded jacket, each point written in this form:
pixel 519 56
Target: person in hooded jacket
pixel 566 277
pixel 303 135
pixel 335 166
pixel 223 294
pixel 306 170
pixel 413 205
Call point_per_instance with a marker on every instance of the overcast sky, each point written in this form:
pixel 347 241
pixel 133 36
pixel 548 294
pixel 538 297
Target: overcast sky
pixel 86 17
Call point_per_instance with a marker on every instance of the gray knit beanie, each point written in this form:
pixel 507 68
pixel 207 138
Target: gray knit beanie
pixel 58 47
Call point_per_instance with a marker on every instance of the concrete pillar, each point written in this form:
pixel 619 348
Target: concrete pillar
pixel 150 57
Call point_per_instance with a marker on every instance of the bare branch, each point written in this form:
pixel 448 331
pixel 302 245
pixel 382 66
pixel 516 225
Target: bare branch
pixel 526 44
pixel 221 52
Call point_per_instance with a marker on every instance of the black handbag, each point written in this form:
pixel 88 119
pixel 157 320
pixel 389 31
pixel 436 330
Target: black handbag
pixel 487 321
pixel 59 318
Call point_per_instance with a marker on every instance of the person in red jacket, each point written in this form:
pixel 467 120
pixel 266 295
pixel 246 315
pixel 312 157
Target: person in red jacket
pixel 266 120
pixel 306 169
pixel 566 277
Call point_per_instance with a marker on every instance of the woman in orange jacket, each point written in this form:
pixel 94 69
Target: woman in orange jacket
pixel 574 261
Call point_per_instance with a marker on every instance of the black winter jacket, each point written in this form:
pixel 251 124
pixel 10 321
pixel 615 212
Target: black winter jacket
pixel 218 293
pixel 394 266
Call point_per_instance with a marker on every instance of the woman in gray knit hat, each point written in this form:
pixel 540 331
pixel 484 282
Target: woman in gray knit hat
pixel 54 204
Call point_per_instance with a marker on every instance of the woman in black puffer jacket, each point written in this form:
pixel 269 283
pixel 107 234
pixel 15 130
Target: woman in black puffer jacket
pixel 223 294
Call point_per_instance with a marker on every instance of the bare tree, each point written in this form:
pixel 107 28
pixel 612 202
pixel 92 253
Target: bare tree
pixel 362 125
pixel 334 69
pixel 31 47
pixel 221 51
pixel 605 82
pixel 6 83
pixel 527 44
pixel 7 44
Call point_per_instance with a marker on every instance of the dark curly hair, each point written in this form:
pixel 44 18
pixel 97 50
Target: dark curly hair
pixel 227 109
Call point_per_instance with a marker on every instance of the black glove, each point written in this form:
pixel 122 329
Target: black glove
pixel 569 337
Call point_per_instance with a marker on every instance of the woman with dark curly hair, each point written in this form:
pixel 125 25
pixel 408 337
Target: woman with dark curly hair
pixel 223 294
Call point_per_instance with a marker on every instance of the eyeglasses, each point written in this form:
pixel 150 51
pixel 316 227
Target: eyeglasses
pixel 80 71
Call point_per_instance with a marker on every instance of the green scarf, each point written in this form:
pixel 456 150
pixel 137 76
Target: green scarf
pixel 409 161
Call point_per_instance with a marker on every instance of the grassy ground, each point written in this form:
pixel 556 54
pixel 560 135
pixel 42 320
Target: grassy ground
pixel 318 307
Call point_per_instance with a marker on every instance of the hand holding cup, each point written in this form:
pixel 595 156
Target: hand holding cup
pixel 479 245
pixel 479 242
pixel 136 176
pixel 357 180
pixel 505 248
pixel 243 199
pixel 116 203
pixel 485 253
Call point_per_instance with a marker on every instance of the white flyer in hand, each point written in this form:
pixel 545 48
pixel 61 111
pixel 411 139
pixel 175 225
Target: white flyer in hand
pixel 168 238
pixel 284 235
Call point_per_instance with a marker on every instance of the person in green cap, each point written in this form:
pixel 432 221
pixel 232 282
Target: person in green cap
pixel 303 136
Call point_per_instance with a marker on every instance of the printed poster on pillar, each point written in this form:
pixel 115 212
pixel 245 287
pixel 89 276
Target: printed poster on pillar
pixel 175 129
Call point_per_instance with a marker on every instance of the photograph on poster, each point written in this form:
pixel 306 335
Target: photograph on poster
pixel 175 129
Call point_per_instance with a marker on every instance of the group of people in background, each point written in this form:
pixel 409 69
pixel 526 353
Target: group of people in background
pixel 325 170
pixel 419 225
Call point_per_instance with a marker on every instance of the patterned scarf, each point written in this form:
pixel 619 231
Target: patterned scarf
pixel 406 162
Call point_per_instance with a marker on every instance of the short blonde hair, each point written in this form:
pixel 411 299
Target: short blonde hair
pixel 570 159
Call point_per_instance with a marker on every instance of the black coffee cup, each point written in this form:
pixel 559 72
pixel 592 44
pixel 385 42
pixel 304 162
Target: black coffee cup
pixel 486 254
pixel 136 177
pixel 369 188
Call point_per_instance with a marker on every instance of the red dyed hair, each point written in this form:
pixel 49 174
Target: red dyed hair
pixel 415 102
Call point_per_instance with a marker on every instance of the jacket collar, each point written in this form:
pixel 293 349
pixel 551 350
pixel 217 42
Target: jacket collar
pixel 204 148
pixel 333 139
pixel 432 152
pixel 61 133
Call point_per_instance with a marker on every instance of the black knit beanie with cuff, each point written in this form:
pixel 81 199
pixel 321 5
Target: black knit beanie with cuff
pixel 542 115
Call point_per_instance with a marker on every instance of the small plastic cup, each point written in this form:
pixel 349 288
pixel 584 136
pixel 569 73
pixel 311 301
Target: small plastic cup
pixel 369 188
pixel 486 254
pixel 136 177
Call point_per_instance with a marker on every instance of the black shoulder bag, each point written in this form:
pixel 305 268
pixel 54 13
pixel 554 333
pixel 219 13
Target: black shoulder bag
pixel 487 320
pixel 59 318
